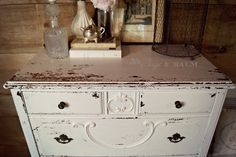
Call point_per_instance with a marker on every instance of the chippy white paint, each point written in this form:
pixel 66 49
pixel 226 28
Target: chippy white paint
pixel 144 104
pixel 119 137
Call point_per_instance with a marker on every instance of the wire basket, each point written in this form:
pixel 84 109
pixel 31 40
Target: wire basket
pixel 184 23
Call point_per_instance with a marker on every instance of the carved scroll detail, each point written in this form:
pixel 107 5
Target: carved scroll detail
pixel 150 125
pixel 121 103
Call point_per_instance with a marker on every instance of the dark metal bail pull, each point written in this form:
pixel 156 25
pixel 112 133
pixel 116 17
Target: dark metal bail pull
pixel 63 139
pixel 176 138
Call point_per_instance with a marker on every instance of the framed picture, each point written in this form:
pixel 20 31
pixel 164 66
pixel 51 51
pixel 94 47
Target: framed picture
pixel 138 20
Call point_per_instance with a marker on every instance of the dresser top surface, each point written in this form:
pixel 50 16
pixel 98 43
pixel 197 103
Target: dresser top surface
pixel 138 65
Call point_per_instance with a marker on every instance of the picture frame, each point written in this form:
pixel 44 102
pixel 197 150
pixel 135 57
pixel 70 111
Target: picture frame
pixel 137 20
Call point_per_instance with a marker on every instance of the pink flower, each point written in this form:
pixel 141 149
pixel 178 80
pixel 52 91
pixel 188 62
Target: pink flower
pixel 103 4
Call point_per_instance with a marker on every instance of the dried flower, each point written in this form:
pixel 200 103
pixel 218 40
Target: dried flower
pixel 103 4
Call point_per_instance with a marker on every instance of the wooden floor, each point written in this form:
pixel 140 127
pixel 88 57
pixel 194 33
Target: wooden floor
pixel 12 142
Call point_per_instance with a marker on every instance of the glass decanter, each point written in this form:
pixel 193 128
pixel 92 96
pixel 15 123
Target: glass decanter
pixel 55 37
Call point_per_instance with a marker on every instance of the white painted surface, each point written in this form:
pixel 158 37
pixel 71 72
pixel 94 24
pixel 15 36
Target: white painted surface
pixel 121 102
pixel 192 101
pixel 214 117
pixel 78 53
pixel 76 102
pixel 24 121
pixel 115 137
pixel 133 112
pixel 138 65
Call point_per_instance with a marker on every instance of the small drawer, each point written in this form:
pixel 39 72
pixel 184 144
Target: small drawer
pixel 176 102
pixel 63 102
pixel 122 102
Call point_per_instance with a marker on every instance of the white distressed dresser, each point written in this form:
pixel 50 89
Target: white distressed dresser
pixel 144 104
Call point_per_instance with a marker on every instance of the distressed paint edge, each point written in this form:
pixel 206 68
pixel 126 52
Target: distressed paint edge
pixel 212 123
pixel 25 123
pixel 119 85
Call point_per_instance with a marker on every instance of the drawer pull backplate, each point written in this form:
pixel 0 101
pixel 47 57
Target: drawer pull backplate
pixel 63 139
pixel 176 138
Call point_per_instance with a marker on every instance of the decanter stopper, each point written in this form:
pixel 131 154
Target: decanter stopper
pixel 55 37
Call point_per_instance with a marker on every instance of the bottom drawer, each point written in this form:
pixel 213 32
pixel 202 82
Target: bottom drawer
pixel 119 137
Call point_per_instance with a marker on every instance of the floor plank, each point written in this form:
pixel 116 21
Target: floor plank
pixel 7 106
pixel 12 143
pixel 14 151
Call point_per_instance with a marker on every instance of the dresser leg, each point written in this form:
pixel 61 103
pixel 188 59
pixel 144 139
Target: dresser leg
pixel 24 121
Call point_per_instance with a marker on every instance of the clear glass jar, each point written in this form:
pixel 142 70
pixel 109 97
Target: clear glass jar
pixel 56 43
pixel 55 37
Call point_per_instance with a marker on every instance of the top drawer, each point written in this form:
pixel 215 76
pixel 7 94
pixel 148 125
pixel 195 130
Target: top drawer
pixel 176 102
pixel 63 102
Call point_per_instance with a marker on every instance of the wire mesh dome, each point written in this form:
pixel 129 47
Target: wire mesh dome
pixel 181 33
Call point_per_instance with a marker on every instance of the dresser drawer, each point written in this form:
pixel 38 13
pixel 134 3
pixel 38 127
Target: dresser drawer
pixel 116 137
pixel 63 102
pixel 176 102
